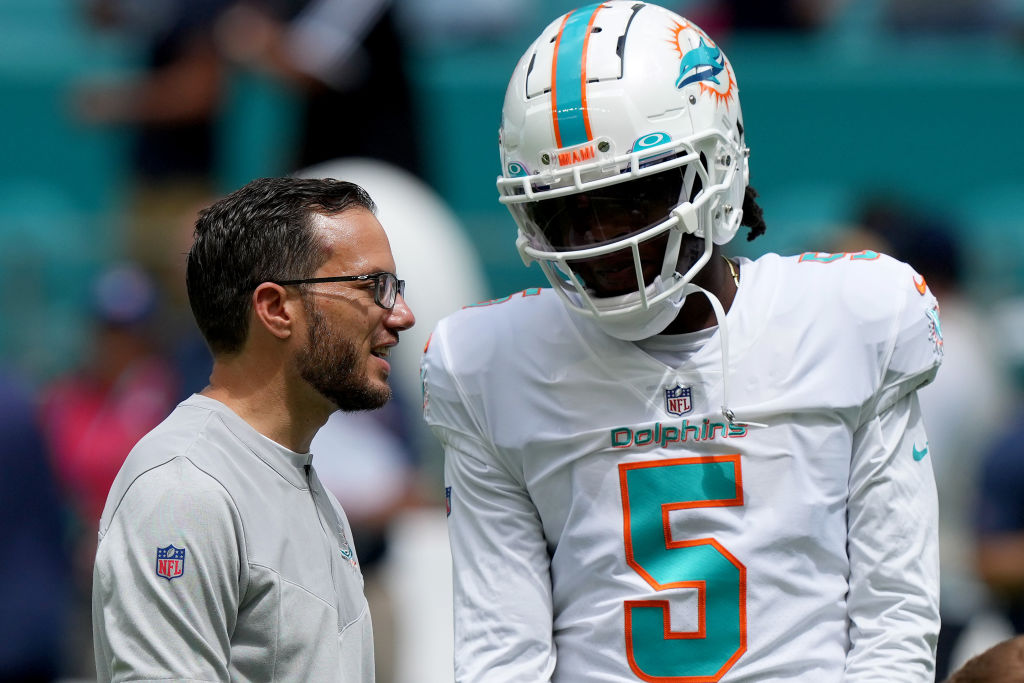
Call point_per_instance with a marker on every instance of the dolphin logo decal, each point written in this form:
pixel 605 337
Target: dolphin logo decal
pixel 705 63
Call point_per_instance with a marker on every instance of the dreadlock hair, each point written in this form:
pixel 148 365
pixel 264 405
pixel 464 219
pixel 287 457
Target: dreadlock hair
pixel 753 214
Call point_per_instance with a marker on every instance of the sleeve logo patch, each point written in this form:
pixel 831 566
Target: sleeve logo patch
pixel 935 329
pixel 921 285
pixel 170 562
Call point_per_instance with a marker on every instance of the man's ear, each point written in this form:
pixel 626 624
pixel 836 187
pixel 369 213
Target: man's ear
pixel 273 309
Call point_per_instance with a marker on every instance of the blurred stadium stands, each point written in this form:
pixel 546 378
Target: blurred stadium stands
pixel 829 119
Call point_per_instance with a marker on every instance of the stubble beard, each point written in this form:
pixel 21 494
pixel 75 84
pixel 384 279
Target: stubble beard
pixel 329 364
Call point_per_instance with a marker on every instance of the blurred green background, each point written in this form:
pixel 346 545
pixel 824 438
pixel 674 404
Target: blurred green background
pixel 833 116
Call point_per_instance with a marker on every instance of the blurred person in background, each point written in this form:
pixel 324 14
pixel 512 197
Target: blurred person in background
pixel 34 557
pixel 1000 499
pixel 332 55
pixel 963 406
pixel 221 554
pixel 793 16
pixel 213 68
pixel 125 387
pixel 172 104
pixel 346 61
pixel 93 416
pixel 951 16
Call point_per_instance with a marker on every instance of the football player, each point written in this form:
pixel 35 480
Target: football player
pixel 673 465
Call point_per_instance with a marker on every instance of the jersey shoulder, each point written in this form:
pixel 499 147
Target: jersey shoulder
pixel 487 353
pixel 882 302
pixel 161 464
pixel 860 282
pixel 500 331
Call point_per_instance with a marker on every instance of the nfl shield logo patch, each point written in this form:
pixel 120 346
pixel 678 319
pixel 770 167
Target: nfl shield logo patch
pixel 170 562
pixel 678 400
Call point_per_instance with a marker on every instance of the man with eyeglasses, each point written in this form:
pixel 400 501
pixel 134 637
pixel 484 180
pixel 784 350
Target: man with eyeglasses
pixel 221 556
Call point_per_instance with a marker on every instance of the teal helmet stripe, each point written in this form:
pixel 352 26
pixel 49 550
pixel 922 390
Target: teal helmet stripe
pixel 569 106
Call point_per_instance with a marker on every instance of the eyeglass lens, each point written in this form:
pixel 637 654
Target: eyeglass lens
pixel 387 290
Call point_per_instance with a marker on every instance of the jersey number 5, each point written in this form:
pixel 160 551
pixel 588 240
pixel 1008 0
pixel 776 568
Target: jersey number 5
pixel 650 491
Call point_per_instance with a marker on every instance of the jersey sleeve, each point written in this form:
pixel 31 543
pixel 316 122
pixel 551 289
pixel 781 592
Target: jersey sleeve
pixel 168 621
pixel 893 549
pixel 501 569
pixel 913 351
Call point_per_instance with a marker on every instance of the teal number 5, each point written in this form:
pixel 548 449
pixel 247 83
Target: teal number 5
pixel 650 491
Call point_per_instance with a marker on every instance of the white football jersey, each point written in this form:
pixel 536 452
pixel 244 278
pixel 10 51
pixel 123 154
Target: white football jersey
pixel 608 524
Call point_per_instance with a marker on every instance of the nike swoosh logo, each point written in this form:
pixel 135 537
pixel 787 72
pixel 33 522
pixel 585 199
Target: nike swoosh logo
pixel 919 455
pixel 921 286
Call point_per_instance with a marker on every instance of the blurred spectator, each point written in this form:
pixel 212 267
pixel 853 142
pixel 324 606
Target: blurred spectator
pixel 1000 503
pixel 96 414
pixel 344 60
pixel 193 109
pixel 901 16
pixel 957 16
pixel 443 23
pixel 347 62
pixel 719 17
pixel 33 560
pixel 186 348
pixel 962 407
pixel 93 416
pixel 173 104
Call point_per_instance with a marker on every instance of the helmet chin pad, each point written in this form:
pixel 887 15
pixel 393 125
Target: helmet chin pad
pixel 623 316
pixel 648 309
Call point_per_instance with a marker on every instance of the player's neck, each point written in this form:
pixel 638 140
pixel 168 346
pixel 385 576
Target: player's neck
pixel 697 313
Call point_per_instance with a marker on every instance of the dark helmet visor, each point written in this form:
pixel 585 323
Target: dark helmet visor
pixel 607 214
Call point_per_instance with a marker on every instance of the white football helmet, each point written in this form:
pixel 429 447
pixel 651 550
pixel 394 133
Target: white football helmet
pixel 621 133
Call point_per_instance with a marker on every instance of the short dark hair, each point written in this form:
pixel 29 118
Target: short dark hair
pixel 261 232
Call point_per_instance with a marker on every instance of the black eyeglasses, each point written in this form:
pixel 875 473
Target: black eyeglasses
pixel 386 287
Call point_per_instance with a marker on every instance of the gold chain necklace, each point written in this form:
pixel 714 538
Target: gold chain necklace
pixel 732 270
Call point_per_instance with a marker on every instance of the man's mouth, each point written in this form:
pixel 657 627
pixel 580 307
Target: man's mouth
pixel 382 352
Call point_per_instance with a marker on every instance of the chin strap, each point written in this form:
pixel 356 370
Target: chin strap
pixel 723 334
